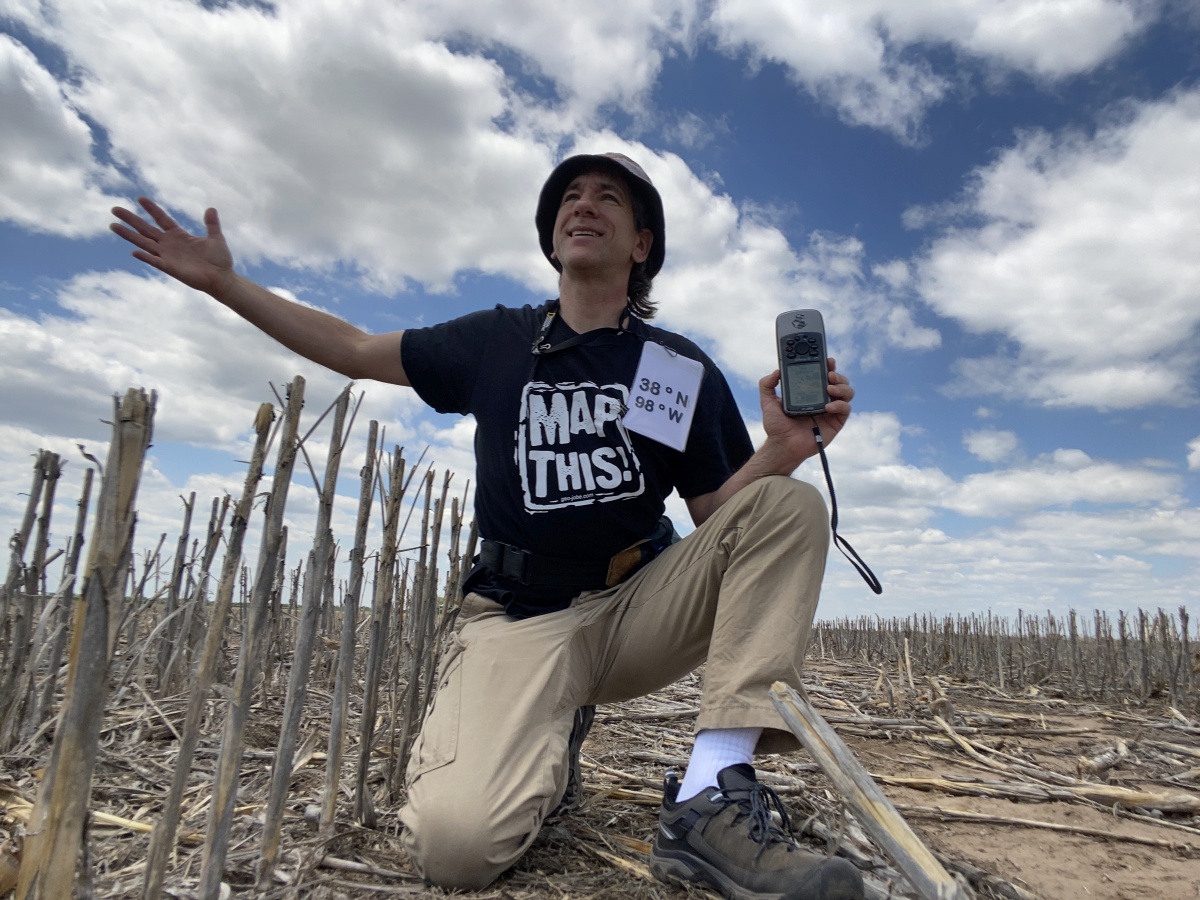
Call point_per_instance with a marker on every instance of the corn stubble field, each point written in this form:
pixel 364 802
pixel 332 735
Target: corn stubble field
pixel 186 722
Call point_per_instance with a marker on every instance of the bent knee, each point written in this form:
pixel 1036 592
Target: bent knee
pixel 785 494
pixel 455 846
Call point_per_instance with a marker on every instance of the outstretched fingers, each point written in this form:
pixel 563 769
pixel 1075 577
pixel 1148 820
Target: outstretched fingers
pixel 202 262
pixel 158 214
pixel 138 233
pixel 144 235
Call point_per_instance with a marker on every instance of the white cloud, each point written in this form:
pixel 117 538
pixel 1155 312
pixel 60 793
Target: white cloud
pixel 1193 458
pixel 326 133
pixel 1027 36
pixel 49 180
pixel 991 446
pixel 895 273
pixel 1128 532
pixel 838 54
pixel 596 54
pixel 1108 560
pixel 1086 257
pixel 1100 549
pixel 692 132
pixel 904 332
pixel 350 134
pixel 870 471
pixel 861 56
pixel 875 487
pixel 115 330
pixel 1063 478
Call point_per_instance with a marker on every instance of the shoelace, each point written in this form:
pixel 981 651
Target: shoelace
pixel 768 820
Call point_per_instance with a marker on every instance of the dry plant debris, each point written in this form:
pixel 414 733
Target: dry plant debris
pixel 1006 795
pixel 1051 758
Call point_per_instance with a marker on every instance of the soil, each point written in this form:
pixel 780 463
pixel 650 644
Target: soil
pixel 982 808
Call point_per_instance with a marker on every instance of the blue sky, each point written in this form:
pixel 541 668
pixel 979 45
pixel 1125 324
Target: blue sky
pixel 995 204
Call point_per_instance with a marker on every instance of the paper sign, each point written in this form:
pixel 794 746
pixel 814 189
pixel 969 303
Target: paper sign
pixel 662 399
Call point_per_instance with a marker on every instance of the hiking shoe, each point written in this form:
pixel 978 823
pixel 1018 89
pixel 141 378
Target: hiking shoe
pixel 737 839
pixel 572 797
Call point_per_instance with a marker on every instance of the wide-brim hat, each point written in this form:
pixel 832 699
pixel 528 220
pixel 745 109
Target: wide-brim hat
pixel 574 166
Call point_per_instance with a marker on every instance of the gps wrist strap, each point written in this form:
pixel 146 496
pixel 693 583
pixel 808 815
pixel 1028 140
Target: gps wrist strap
pixel 842 544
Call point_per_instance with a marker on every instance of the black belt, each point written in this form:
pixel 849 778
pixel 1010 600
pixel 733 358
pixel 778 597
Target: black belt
pixel 525 567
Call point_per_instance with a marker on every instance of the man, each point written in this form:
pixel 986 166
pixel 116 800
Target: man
pixel 578 596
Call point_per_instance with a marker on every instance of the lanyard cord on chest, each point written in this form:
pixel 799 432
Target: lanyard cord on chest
pixel 543 347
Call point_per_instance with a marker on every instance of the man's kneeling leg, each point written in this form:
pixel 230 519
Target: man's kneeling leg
pixel 491 760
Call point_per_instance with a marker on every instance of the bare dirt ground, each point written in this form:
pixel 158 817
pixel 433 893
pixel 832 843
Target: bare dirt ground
pixel 1026 797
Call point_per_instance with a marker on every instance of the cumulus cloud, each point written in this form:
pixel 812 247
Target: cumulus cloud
pixel 1069 530
pixel 1106 560
pixel 1062 478
pixel 49 178
pixel 876 487
pixel 353 135
pixel 1193 457
pixel 325 134
pixel 870 462
pixel 863 58
pixel 596 54
pixel 991 446
pixel 426 160
pixel 1083 252
pixel 115 330
pixel 691 132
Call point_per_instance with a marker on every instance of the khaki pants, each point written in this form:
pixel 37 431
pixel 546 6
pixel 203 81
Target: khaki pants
pixel 739 593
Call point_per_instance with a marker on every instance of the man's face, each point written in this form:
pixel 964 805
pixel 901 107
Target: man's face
pixel 594 230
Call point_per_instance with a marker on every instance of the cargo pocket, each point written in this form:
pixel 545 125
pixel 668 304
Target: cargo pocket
pixel 437 743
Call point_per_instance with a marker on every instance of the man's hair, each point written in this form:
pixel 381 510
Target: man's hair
pixel 640 281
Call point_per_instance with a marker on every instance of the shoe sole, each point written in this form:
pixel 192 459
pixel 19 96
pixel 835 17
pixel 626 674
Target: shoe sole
pixel 841 882
pixel 687 871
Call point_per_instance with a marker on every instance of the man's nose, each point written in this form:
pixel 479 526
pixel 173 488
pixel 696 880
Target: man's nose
pixel 584 203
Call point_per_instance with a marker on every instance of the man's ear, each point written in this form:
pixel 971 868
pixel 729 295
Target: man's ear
pixel 641 250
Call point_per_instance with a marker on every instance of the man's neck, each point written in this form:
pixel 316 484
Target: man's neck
pixel 588 306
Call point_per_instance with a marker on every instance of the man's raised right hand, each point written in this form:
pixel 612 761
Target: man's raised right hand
pixel 203 263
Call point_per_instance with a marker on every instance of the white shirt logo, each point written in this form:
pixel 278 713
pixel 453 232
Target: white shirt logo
pixel 572 448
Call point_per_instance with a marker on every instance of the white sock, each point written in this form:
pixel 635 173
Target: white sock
pixel 715 749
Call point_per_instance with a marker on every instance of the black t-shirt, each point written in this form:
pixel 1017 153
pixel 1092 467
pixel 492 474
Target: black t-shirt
pixel 557 473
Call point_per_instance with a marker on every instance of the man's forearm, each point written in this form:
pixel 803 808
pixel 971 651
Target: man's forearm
pixel 315 335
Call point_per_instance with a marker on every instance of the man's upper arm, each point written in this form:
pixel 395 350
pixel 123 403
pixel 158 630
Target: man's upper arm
pixel 379 358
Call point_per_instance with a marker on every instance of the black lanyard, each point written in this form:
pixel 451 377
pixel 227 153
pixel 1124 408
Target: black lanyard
pixel 543 347
pixel 842 544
